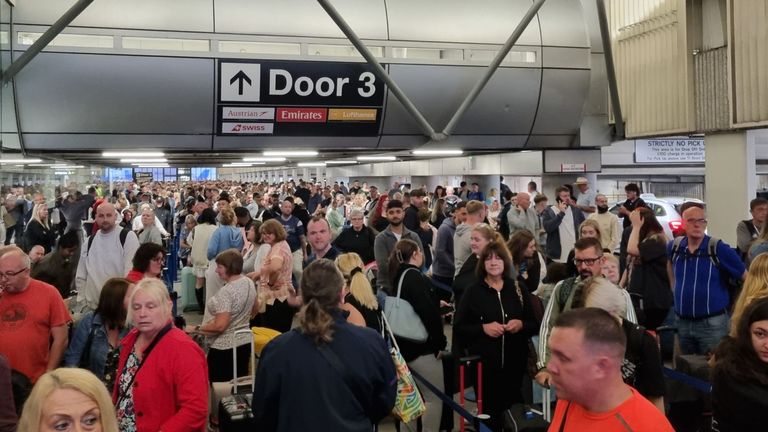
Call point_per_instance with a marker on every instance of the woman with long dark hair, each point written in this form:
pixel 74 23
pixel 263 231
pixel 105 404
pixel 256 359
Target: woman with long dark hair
pixel 740 374
pixel 647 273
pixel 525 259
pixel 495 320
pixel 321 365
pixel 405 263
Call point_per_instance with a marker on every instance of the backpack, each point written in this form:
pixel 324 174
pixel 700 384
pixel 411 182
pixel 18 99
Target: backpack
pixel 565 292
pixel 733 286
pixel 123 235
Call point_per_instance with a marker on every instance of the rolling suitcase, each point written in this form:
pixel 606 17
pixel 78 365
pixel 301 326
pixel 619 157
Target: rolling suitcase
pixel 188 299
pixel 235 413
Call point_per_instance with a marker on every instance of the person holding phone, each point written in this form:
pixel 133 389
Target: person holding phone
pixel 561 222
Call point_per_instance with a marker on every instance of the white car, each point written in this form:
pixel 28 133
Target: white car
pixel 666 209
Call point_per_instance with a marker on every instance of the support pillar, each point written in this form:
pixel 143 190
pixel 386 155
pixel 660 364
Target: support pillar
pixel 730 181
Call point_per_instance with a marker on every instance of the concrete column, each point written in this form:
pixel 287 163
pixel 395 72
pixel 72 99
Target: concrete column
pixel 730 181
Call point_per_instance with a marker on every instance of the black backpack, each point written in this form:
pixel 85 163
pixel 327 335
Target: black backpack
pixel 123 235
pixel 733 286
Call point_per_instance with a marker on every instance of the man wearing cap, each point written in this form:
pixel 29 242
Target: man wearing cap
pixel 586 200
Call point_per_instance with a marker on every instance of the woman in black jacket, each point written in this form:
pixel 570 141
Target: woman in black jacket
pixel 38 230
pixel 495 321
pixel 423 357
pixel 740 374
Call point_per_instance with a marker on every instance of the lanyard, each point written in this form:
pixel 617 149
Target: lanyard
pixel 148 350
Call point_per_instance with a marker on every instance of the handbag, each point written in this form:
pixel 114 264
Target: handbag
pixel 405 323
pixel 409 404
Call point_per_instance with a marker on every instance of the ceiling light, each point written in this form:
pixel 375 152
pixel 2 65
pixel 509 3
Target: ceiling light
pixel 264 159
pixel 341 162
pixel 151 165
pixel 297 153
pixel 443 152
pixel 376 158
pixel 243 164
pixel 67 166
pixel 144 160
pixel 311 164
pixel 133 154
pixel 20 161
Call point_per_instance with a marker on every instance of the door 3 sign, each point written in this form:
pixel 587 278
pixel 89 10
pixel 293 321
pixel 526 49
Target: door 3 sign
pixel 299 83
pixel 299 98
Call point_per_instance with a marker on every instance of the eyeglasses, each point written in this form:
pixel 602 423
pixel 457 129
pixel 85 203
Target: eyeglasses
pixel 696 221
pixel 588 261
pixel 159 259
pixel 12 274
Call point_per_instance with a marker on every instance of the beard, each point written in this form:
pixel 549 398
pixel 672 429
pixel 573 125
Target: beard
pixel 602 209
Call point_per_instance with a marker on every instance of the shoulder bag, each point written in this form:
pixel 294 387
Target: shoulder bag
pixel 403 320
pixel 409 404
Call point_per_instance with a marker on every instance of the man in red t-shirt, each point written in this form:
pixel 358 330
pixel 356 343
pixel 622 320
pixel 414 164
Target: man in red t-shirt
pixel 33 318
pixel 587 346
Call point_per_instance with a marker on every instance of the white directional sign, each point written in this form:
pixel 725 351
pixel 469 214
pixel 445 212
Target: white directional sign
pixel 670 150
pixel 240 82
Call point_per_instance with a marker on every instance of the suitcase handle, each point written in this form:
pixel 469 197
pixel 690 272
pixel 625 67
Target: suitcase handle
pixel 235 381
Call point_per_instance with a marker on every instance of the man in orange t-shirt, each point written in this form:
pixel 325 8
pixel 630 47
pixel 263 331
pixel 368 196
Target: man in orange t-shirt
pixel 33 318
pixel 587 346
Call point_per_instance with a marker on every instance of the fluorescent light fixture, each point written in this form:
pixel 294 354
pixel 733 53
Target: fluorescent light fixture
pixel 438 152
pixel 137 154
pixel 20 161
pixel 310 164
pixel 264 159
pixel 376 158
pixel 67 166
pixel 243 164
pixel 289 153
pixel 151 165
pixel 144 160
pixel 341 162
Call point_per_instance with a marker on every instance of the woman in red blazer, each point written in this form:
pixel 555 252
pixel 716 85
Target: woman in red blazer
pixel 162 382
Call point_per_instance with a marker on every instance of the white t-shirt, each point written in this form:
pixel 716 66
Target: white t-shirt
pixel 567 235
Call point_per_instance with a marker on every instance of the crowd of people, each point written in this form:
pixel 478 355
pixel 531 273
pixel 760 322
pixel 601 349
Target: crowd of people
pixel 81 287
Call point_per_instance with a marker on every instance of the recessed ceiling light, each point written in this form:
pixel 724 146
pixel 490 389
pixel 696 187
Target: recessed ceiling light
pixel 136 154
pixel 264 159
pixel 289 153
pixel 311 164
pixel 438 152
pixel 151 165
pixel 144 160
pixel 376 158
pixel 341 162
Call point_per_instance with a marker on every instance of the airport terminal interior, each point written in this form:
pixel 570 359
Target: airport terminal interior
pixel 299 157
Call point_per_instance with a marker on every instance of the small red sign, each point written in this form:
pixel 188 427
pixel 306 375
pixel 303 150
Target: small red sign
pixel 302 115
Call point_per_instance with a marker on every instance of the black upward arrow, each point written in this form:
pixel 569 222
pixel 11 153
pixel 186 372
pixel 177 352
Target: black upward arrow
pixel 240 77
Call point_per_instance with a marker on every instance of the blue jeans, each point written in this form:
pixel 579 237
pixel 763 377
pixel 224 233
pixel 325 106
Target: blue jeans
pixel 701 336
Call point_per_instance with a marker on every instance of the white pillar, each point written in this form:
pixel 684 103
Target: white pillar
pixel 730 181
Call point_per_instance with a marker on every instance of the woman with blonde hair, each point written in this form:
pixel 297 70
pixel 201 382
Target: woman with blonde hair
pixel 64 397
pixel 162 381
pixel 360 293
pixel 38 231
pixel 755 287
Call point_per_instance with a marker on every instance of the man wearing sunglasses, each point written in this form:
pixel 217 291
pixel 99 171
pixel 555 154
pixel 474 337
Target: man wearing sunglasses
pixel 588 259
pixel 701 269
pixel 33 318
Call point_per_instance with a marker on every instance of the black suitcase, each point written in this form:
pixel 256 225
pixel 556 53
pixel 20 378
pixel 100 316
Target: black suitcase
pixel 235 413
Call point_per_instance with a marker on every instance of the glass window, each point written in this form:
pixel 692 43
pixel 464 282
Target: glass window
pixel 69 40
pixel 259 47
pixel 341 50
pixel 163 44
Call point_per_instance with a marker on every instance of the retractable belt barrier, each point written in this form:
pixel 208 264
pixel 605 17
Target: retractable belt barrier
pixel 454 406
pixel 696 383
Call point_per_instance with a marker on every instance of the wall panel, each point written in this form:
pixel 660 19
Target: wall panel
pixel 653 65
pixel 748 44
